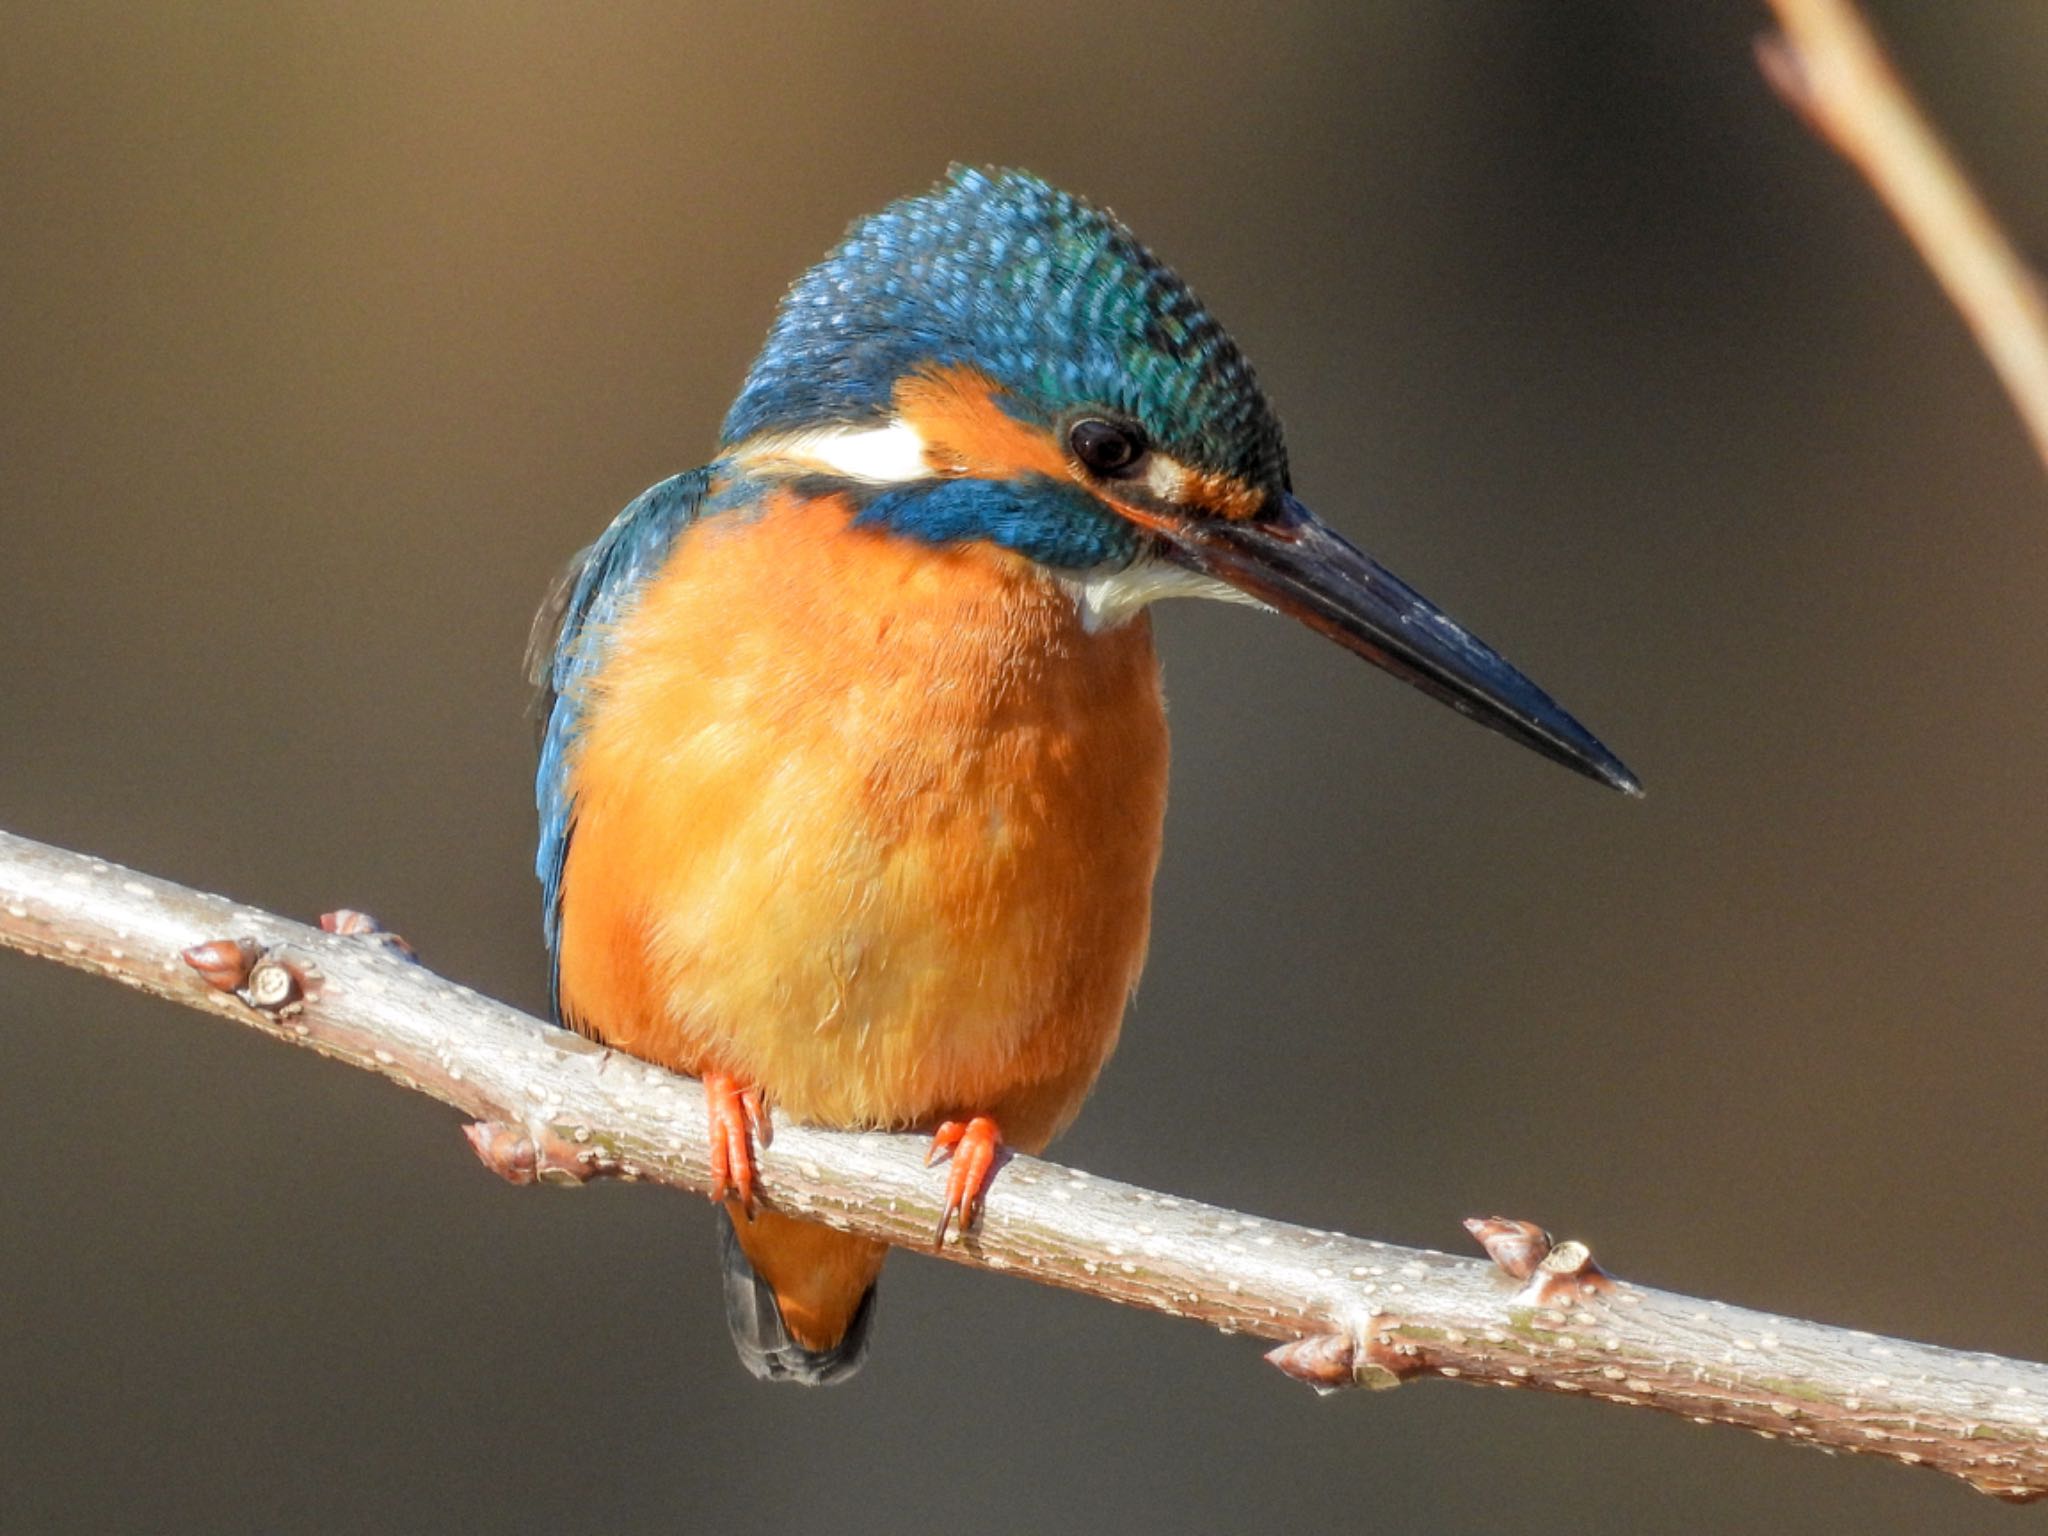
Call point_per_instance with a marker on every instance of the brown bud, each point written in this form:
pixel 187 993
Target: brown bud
pixel 272 985
pixel 1516 1246
pixel 347 923
pixel 504 1149
pixel 1323 1360
pixel 1566 1274
pixel 223 964
pixel 1786 71
pixel 1330 1362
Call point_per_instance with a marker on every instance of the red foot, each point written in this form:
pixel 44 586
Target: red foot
pixel 973 1145
pixel 738 1115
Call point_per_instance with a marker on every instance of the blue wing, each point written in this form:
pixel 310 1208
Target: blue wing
pixel 571 636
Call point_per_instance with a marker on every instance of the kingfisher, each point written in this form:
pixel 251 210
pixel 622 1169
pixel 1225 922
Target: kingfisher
pixel 853 753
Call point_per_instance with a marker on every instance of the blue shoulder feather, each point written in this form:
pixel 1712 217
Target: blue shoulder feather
pixel 571 636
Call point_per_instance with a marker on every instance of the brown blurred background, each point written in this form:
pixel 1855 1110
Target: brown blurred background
pixel 326 333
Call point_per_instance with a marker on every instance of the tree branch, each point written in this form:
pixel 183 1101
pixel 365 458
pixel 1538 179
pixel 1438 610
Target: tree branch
pixel 554 1107
pixel 1829 67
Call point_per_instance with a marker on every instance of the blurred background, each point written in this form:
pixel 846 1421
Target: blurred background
pixel 329 332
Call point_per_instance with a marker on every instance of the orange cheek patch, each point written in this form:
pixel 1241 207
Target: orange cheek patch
pixel 1147 517
pixel 967 433
pixel 1218 495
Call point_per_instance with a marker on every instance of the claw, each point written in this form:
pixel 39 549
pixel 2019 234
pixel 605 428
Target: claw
pixel 737 1115
pixel 973 1145
pixel 755 1101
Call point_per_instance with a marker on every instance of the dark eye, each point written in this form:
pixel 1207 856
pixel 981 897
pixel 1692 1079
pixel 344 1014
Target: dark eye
pixel 1106 447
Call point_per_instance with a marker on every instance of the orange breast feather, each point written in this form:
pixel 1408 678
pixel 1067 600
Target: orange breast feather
pixel 869 823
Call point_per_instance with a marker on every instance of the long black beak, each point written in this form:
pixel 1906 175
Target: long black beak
pixel 1285 557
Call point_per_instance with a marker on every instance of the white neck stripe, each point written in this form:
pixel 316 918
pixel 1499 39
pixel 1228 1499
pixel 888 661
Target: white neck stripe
pixel 887 455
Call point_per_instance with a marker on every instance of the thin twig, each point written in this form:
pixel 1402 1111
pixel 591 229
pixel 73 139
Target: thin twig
pixel 1830 68
pixel 552 1106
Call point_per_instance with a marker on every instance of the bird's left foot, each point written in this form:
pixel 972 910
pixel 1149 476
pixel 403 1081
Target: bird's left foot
pixel 739 1118
pixel 973 1144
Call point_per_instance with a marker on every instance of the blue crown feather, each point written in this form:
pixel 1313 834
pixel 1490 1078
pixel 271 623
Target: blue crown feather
pixel 1048 295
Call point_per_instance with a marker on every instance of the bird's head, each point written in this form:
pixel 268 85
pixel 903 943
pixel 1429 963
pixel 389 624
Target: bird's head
pixel 999 361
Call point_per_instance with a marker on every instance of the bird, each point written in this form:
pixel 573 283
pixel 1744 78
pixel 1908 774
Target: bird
pixel 853 757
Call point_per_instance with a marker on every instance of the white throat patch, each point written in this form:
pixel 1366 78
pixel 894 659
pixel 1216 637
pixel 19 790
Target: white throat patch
pixel 1108 599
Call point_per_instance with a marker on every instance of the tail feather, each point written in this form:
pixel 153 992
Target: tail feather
pixel 763 1339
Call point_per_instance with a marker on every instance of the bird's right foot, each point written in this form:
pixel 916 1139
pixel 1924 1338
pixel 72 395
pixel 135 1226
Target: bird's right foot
pixel 738 1116
pixel 973 1145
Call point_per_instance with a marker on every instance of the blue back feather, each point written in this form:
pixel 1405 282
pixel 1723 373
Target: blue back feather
pixel 571 639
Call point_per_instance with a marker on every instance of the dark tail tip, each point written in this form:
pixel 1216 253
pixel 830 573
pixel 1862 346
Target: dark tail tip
pixel 761 1337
